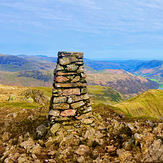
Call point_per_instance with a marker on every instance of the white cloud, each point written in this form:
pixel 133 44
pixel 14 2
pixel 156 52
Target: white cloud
pixel 87 15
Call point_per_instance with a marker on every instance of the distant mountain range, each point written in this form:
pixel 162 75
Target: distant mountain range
pixel 123 76
pixel 152 70
pixel 14 63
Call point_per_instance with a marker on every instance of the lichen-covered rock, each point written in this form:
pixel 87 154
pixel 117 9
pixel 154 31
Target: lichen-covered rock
pixel 77 104
pixel 58 100
pixel 41 130
pixel 72 67
pixel 12 98
pixel 54 113
pixel 55 128
pixel 61 106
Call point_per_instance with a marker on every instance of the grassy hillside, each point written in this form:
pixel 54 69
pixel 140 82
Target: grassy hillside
pixel 147 104
pixel 16 101
pixel 105 95
pixel 13 99
pixel 26 78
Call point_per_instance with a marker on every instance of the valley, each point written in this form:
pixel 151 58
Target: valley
pixel 34 71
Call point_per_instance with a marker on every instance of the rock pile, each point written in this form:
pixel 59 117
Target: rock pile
pixel 70 99
pixel 115 140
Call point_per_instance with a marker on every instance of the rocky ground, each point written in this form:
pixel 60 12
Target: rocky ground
pixel 28 137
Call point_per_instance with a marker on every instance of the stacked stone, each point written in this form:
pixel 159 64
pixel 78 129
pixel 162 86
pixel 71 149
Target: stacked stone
pixel 70 99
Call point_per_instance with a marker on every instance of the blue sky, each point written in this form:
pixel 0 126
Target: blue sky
pixel 106 29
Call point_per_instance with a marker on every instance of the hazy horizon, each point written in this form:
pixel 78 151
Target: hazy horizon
pixel 94 59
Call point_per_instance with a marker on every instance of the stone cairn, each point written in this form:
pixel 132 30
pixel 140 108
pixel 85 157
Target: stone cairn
pixel 70 100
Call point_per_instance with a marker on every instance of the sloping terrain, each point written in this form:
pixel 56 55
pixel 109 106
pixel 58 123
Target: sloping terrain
pixel 17 79
pixel 39 58
pixel 127 65
pixel 14 63
pixel 109 138
pixel 147 104
pixel 149 69
pixel 122 81
pixel 152 70
pixel 38 71
pixel 104 95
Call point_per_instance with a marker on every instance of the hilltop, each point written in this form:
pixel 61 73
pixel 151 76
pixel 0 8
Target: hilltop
pixel 111 137
pixel 147 104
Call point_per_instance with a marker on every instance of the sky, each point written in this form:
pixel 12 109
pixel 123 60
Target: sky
pixel 102 29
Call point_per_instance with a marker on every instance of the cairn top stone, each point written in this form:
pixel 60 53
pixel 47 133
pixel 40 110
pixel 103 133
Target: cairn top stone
pixel 69 54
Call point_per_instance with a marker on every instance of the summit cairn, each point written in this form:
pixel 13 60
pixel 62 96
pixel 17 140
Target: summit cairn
pixel 70 100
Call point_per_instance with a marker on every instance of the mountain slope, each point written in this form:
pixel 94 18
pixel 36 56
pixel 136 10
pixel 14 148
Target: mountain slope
pixel 148 104
pixel 152 70
pixel 105 95
pixel 122 81
pixel 13 63
pixel 127 84
pixel 38 71
pixel 127 65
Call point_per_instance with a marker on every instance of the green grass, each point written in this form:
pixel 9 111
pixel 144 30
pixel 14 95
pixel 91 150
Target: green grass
pixel 17 105
pixel 148 104
pixel 47 90
pixel 155 80
pixel 97 89
pixel 107 95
